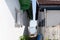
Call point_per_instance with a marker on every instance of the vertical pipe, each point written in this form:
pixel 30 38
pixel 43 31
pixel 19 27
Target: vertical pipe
pixel 45 22
pixel 45 17
pixel 15 17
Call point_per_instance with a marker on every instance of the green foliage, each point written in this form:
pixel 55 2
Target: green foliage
pixel 24 37
pixel 25 4
pixel 29 12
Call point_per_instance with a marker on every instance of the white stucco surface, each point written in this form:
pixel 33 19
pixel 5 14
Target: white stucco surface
pixel 53 17
pixel 8 31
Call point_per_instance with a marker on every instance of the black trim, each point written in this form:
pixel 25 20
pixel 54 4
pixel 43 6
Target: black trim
pixel 37 9
pixel 49 7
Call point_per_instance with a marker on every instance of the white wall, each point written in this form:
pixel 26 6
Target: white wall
pixel 53 17
pixel 8 31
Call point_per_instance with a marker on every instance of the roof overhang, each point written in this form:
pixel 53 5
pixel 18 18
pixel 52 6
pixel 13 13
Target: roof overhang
pixel 49 2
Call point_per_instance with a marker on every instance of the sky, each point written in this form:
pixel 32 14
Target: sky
pixel 34 8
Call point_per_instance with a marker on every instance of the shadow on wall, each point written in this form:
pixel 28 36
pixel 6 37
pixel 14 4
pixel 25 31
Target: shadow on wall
pixel 12 4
